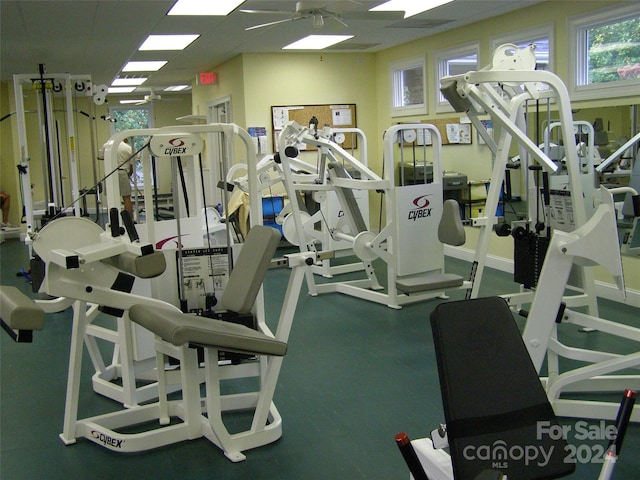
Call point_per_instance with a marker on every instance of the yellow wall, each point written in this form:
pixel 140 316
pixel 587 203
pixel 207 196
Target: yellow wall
pixel 309 78
pixel 8 170
pixel 474 160
pixel 84 111
pixel 230 83
pixel 255 82
pixel 290 78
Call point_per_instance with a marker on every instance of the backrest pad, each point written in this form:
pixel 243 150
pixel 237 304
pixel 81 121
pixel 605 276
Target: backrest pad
pixel 493 400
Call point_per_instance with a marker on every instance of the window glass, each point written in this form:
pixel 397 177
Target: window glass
pixel 127 118
pixel 455 61
pixel 606 45
pixel 613 52
pixel 408 87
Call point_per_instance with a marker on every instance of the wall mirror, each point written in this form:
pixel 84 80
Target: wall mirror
pixel 613 127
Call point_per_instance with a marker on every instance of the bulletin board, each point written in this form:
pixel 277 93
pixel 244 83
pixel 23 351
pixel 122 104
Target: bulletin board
pixel 335 115
pixel 452 131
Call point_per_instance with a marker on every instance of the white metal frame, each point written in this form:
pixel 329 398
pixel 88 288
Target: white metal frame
pixel 588 179
pixel 196 421
pixel 90 285
pixel 512 69
pixel 331 213
pixel 133 351
pixel 594 243
pixel 68 83
pixel 406 253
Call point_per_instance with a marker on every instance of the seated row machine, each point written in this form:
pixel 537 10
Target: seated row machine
pixel 92 274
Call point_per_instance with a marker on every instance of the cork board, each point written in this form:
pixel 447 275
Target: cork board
pixel 452 131
pixel 335 115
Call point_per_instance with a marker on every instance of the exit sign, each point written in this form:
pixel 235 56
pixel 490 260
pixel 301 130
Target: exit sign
pixel 207 78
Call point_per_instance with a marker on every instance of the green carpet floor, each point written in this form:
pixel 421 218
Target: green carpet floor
pixel 356 373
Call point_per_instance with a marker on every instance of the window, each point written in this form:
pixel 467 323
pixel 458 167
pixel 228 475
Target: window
pixel 126 118
pixel 541 37
pixel 408 96
pixel 454 61
pixel 607 54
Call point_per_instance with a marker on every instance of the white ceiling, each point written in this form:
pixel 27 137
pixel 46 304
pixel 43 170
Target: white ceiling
pixel 97 37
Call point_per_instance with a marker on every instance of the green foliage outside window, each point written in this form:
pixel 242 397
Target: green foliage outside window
pixel 614 52
pixel 132 119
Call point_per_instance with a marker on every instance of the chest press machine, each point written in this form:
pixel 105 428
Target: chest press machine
pixel 418 221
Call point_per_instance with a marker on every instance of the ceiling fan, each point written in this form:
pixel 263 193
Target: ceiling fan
pixel 150 98
pixel 318 11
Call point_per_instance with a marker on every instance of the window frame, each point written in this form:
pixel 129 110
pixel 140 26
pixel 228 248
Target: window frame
pixel 577 29
pixel 441 57
pixel 402 65
pixel 114 129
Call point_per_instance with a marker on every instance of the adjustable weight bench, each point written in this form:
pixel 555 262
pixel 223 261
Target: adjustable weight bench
pixel 497 413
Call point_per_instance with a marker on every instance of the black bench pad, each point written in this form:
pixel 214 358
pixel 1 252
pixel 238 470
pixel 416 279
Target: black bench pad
pixel 492 396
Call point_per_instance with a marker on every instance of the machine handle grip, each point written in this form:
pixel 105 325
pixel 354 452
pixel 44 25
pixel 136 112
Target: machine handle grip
pixel 622 420
pixel 410 457
pixel 127 220
pixel 635 201
pixel 114 222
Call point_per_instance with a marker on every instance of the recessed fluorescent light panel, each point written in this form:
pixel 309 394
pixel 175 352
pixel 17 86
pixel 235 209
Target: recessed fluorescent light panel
pixel 146 66
pixel 409 7
pixel 167 42
pixel 120 89
pixel 317 42
pixel 123 82
pixel 177 88
pixel 199 7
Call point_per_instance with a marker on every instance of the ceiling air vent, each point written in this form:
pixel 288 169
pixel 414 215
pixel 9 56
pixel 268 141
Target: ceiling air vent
pixel 352 46
pixel 418 23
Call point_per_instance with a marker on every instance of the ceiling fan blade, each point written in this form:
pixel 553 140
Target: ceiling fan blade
pixel 279 12
pixel 272 23
pixel 338 19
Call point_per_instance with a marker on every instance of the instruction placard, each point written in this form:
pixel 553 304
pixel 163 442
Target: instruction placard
pixel 205 272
